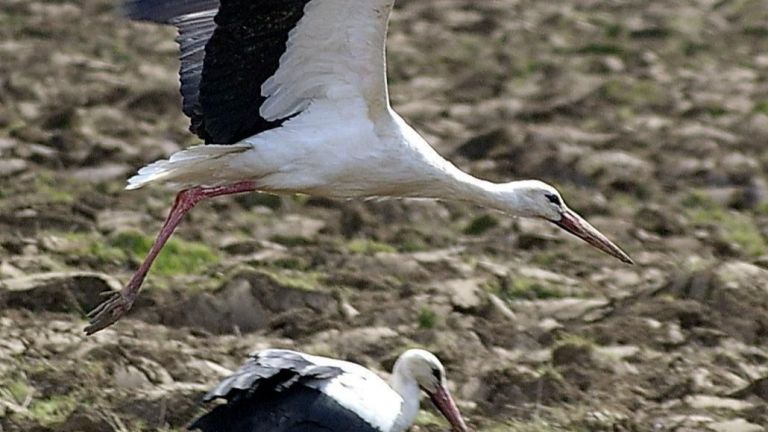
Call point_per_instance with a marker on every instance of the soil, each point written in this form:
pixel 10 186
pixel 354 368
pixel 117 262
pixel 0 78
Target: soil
pixel 650 117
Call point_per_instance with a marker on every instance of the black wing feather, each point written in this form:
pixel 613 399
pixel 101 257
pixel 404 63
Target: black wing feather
pixel 244 51
pixel 163 11
pixel 228 49
pixel 194 32
pixel 272 370
pixel 300 409
pixel 266 395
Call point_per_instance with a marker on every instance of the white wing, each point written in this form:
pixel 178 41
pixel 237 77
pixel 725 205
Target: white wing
pixel 336 51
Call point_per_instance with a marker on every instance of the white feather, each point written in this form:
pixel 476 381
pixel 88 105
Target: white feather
pixel 199 165
pixel 363 392
pixel 336 61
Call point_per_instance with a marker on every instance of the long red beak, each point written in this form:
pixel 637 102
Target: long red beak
pixel 576 225
pixel 444 402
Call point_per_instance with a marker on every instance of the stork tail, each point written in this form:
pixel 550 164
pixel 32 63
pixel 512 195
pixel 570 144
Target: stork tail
pixel 200 165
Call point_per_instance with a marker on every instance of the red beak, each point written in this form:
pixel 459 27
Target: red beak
pixel 576 225
pixel 444 402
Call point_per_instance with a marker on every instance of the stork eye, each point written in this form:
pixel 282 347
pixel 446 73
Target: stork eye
pixel 554 199
pixel 436 374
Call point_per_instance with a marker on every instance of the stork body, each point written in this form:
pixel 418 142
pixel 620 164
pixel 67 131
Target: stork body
pixel 332 150
pixel 288 391
pixel 291 97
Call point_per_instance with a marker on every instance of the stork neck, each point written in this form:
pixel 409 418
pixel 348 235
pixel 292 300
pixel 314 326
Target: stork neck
pixel 454 184
pixel 433 176
pixel 408 389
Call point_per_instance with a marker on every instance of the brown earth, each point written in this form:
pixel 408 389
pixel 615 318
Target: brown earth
pixel 651 117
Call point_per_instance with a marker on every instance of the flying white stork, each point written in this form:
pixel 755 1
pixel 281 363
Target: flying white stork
pixel 287 391
pixel 290 96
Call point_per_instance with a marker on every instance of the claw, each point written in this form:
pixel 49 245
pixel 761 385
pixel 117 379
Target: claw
pixel 107 313
pixel 103 305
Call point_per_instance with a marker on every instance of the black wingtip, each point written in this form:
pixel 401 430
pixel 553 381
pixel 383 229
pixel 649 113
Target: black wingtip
pixel 163 11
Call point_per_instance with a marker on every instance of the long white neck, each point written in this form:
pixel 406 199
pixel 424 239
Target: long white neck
pixel 447 182
pixel 408 389
pixel 429 175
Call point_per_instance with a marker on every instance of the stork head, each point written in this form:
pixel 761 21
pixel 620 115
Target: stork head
pixel 423 367
pixel 533 198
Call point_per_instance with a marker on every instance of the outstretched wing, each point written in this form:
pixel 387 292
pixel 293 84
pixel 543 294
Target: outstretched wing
pixel 269 371
pixel 248 65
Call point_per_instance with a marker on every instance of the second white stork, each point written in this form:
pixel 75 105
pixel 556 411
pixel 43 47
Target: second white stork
pixel 290 97
pixel 288 391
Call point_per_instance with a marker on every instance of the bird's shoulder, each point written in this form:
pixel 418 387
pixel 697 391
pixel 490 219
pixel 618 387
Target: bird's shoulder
pixel 272 371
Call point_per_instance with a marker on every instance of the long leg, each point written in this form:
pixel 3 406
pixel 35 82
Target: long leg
pixel 112 309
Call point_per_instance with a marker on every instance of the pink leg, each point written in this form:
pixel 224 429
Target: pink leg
pixel 112 309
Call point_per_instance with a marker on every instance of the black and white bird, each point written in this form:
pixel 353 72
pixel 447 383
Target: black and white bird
pixel 290 96
pixel 287 391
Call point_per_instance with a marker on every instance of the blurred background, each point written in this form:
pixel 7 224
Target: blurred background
pixel 650 117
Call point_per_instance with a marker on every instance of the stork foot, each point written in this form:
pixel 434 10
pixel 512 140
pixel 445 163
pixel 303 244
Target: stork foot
pixel 108 312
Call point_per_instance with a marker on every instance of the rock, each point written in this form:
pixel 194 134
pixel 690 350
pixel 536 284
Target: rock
pixel 9 167
pixel 250 301
pixel 739 167
pixel 84 420
pixel 534 234
pixel 207 367
pixel 7 144
pixel 758 387
pixel 697 132
pixel 546 276
pixel 465 294
pixel 102 173
pixel 673 336
pixel 619 351
pixel 118 220
pixel 735 425
pixel 568 354
pixel 348 311
pixel 11 347
pixel 604 419
pixel 480 146
pixel 518 385
pixel 548 325
pixel 401 265
pixel 500 306
pixel 436 256
pixel 740 275
pixel 558 134
pixel 360 340
pixel 706 402
pixel 168 406
pixel 563 309
pixel 659 220
pixel 613 64
pixel 130 377
pixel 292 228
pixel 683 422
pixel 620 278
pixel 153 370
pixel 8 270
pixel 57 291
pixel 617 169
pixel 566 93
